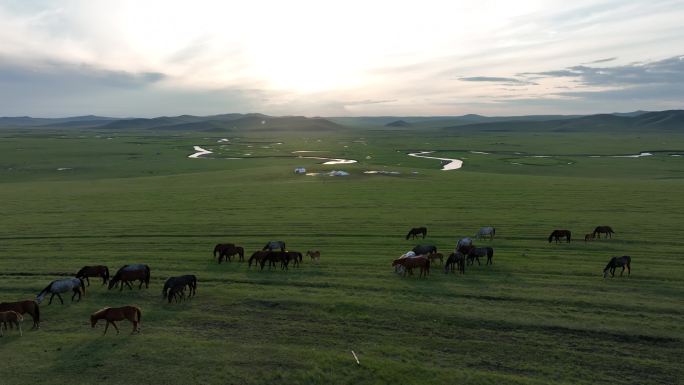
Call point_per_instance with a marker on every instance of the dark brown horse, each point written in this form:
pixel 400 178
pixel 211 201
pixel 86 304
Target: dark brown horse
pixel 23 307
pixel 113 314
pixel 558 234
pixel 177 292
pixel 257 257
pixel 94 271
pixel 188 280
pixel 615 262
pixel 457 260
pixel 275 257
pixel 228 252
pixel 603 230
pixel 410 263
pixel 130 273
pixel 414 232
pixel 589 237
pixel 476 252
pixel 222 246
pixel 295 256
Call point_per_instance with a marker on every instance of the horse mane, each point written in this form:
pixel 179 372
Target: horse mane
pixel 47 288
pixel 100 312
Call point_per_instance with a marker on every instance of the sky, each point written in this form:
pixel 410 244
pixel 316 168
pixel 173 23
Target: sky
pixel 339 58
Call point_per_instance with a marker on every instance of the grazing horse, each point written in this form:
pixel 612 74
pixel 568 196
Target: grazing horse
pixel 229 252
pixel 274 245
pixel 315 255
pixel 113 314
pixel 23 307
pixel 62 286
pixel 257 257
pixel 558 234
pixel 222 246
pixel 295 256
pixel 455 260
pixel 177 292
pixel 129 273
pixel 434 256
pixel 184 280
pixel 414 232
pixel 94 271
pixel 486 232
pixel 589 237
pixel 13 318
pixel 424 249
pixel 603 230
pixel 615 262
pixel 476 252
pixel 464 245
pixel 273 257
pixel 410 262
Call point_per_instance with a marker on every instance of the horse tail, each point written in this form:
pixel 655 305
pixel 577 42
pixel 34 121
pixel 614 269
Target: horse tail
pixel 493 231
pixel 137 310
pixel 215 250
pixel 165 290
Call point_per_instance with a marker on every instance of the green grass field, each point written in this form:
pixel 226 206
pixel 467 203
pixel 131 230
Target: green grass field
pixel 542 314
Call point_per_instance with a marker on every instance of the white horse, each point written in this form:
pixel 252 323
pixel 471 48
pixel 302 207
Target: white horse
pixel 62 286
pixel 486 232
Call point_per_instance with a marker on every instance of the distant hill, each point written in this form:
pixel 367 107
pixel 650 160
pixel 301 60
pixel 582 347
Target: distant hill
pixel 398 123
pixel 27 121
pixel 655 121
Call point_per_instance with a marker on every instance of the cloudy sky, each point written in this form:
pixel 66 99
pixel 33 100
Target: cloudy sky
pixel 340 58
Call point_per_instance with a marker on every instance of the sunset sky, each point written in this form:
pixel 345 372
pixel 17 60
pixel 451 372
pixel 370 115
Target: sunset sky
pixel 339 58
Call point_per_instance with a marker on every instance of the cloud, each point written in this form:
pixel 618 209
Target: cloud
pixel 501 80
pixel 601 60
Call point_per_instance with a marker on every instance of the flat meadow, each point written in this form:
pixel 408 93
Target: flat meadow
pixel 541 314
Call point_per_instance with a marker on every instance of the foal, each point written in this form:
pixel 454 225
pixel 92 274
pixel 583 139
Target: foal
pixel 13 318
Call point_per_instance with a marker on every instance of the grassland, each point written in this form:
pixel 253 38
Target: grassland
pixel 541 315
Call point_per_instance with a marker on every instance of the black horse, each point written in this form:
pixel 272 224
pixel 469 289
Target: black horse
pixel 558 234
pixel 424 249
pixel 615 262
pixel 417 231
pixel 271 245
pixel 455 260
pixel 184 280
pixel 228 252
pixel 295 256
pixel 603 230
pixel 476 252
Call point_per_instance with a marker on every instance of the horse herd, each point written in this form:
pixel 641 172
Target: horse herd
pixel 273 253
pixel 11 313
pixel 465 253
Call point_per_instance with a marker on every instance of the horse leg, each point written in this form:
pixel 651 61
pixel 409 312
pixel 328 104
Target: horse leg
pixel 622 271
pixel 135 327
pixel 115 327
pixel 87 280
pixel 106 327
pixel 51 297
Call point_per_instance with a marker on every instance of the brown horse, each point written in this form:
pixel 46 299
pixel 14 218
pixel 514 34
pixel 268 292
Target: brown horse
pixel 257 257
pixel 315 255
pixel 23 307
pixel 177 292
pixel 222 246
pixel 13 318
pixel 589 237
pixel 558 234
pixel 434 256
pixel 228 252
pixel 94 271
pixel 410 262
pixel 129 273
pixel 112 314
pixel 457 260
pixel 294 256
pixel 603 230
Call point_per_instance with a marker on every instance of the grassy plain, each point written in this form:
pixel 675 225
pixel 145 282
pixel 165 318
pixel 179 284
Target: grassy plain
pixel 541 314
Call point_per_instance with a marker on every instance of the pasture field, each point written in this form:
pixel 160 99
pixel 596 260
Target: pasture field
pixel 542 314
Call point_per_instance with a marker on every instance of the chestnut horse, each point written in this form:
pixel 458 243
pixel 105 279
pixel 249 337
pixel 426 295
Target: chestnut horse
pixel 13 318
pixel 23 307
pixel 315 255
pixel 94 271
pixel 113 314
pixel 129 273
pixel 410 262
pixel 558 234
pixel 414 232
